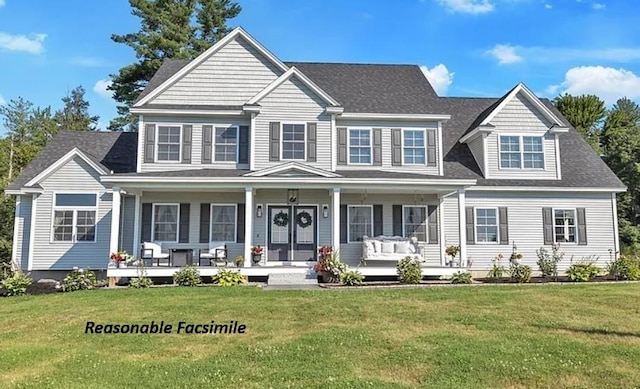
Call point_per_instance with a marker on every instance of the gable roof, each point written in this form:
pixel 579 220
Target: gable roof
pixel 292 166
pixel 168 68
pixel 111 150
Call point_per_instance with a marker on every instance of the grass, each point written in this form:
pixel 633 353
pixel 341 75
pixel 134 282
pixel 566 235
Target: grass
pixel 507 336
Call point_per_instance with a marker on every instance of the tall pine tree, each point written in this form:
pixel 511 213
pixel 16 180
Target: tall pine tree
pixel 74 116
pixel 585 113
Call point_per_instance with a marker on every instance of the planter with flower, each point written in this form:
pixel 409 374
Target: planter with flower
pixel 452 251
pixel 256 254
pixel 120 259
pixel 329 266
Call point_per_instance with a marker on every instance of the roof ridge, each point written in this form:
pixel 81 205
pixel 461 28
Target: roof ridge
pixel 351 63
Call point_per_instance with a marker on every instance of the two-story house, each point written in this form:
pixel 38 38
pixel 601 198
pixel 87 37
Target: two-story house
pixel 239 148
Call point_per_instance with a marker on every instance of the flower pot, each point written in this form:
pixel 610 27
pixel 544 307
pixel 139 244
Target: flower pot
pixel 328 277
pixel 112 265
pixel 122 265
pixel 255 259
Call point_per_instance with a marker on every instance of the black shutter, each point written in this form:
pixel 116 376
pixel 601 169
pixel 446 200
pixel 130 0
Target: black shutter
pixel 377 219
pixel 241 220
pixel 274 141
pixel 396 147
pixel 470 225
pixel 396 216
pixel 149 143
pixel 207 145
pixel 147 211
pixel 432 223
pixel 184 223
pixel 547 224
pixel 377 147
pixel 243 145
pixel 187 132
pixel 342 146
pixel 431 147
pixel 205 220
pixel 311 141
pixel 343 224
pixel 503 221
pixel 582 226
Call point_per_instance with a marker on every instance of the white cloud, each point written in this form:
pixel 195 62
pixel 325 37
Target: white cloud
pixel 2 100
pixel 505 54
pixel 101 88
pixel 598 6
pixel 439 77
pixel 468 6
pixel 30 44
pixel 605 82
pixel 2 3
pixel 548 6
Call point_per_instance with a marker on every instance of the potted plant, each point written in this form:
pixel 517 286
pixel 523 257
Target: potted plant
pixel 330 267
pixel 452 251
pixel 239 261
pixel 256 254
pixel 120 258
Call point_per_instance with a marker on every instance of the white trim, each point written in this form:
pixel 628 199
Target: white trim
pixel 335 219
pixel 188 112
pixel 575 223
pixel 485 155
pixel 136 225
pixel 334 143
pixel 542 189
pixel 238 31
pixel 426 220
pixel 556 142
pixel 32 230
pixel 462 227
pixel 478 131
pixel 522 152
pixel 441 232
pixel 157 140
pixel 424 138
pixel 394 116
pixel 475 225
pixel 616 233
pixel 349 129
pixel 293 71
pixel 14 247
pixel 235 221
pixel 74 209
pixel 214 144
pixel 115 219
pixel 291 165
pixel 249 194
pixel 370 206
pixel 251 108
pixel 555 130
pixel 282 124
pixel 252 142
pixel 529 96
pixel 23 191
pixel 440 151
pixel 334 110
pixel 141 133
pixel 75 152
pixel 153 223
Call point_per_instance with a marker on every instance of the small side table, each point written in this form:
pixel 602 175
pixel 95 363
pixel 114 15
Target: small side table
pixel 181 257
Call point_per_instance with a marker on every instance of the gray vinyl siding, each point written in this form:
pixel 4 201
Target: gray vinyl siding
pixel 477 149
pixel 196 148
pixel 75 176
pixel 450 215
pixel 127 215
pixel 24 229
pixel 293 102
pixel 231 76
pixel 386 127
pixel 526 230
pixel 520 117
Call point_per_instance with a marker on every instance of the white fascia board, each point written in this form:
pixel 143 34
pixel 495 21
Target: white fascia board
pixel 196 112
pixel 75 152
pixel 542 189
pixel 476 132
pixel 334 110
pixel 23 191
pixel 293 72
pixel 532 99
pixel 394 116
pixel 252 108
pixel 558 130
pixel 238 31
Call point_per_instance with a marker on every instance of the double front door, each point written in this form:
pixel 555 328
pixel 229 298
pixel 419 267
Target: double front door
pixel 292 233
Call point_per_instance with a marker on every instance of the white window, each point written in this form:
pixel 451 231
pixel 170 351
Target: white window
pixel 414 147
pixel 518 152
pixel 564 225
pixel 360 222
pixel 223 223
pixel 168 143
pixel 415 222
pixel 226 148
pixel 74 217
pixel 293 142
pixel 165 222
pixel 486 225
pixel 360 146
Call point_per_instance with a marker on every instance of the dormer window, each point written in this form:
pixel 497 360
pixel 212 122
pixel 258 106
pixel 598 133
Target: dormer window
pixel 521 152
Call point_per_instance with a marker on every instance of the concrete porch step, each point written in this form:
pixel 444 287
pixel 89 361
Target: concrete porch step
pixel 277 278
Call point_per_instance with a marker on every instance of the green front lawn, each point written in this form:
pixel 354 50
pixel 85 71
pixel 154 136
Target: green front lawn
pixel 505 336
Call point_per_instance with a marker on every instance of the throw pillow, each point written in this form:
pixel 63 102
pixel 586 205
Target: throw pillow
pixel 377 245
pixel 388 247
pixel 369 247
pixel 403 248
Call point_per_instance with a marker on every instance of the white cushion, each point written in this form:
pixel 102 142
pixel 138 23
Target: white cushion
pixel 404 248
pixel 377 246
pixel 388 247
pixel 369 248
pixel 412 248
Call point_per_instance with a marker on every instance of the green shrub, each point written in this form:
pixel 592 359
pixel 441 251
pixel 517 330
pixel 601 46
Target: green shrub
pixel 351 277
pixel 582 271
pixel 461 277
pixel 16 284
pixel 548 263
pixel 624 268
pixel 409 271
pixel 187 276
pixel 497 270
pixel 140 282
pixel 520 273
pixel 229 278
pixel 79 279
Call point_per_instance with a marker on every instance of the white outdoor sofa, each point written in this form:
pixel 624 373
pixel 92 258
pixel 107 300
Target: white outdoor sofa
pixel 152 252
pixel 390 248
pixel 217 253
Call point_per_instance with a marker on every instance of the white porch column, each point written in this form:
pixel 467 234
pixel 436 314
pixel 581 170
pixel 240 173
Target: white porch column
pixel 15 263
pixel 616 233
pixel 335 219
pixel 462 224
pixel 136 225
pixel 442 237
pixel 32 229
pixel 115 219
pixel 248 224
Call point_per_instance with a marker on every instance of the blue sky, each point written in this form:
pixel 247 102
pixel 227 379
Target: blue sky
pixel 466 47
